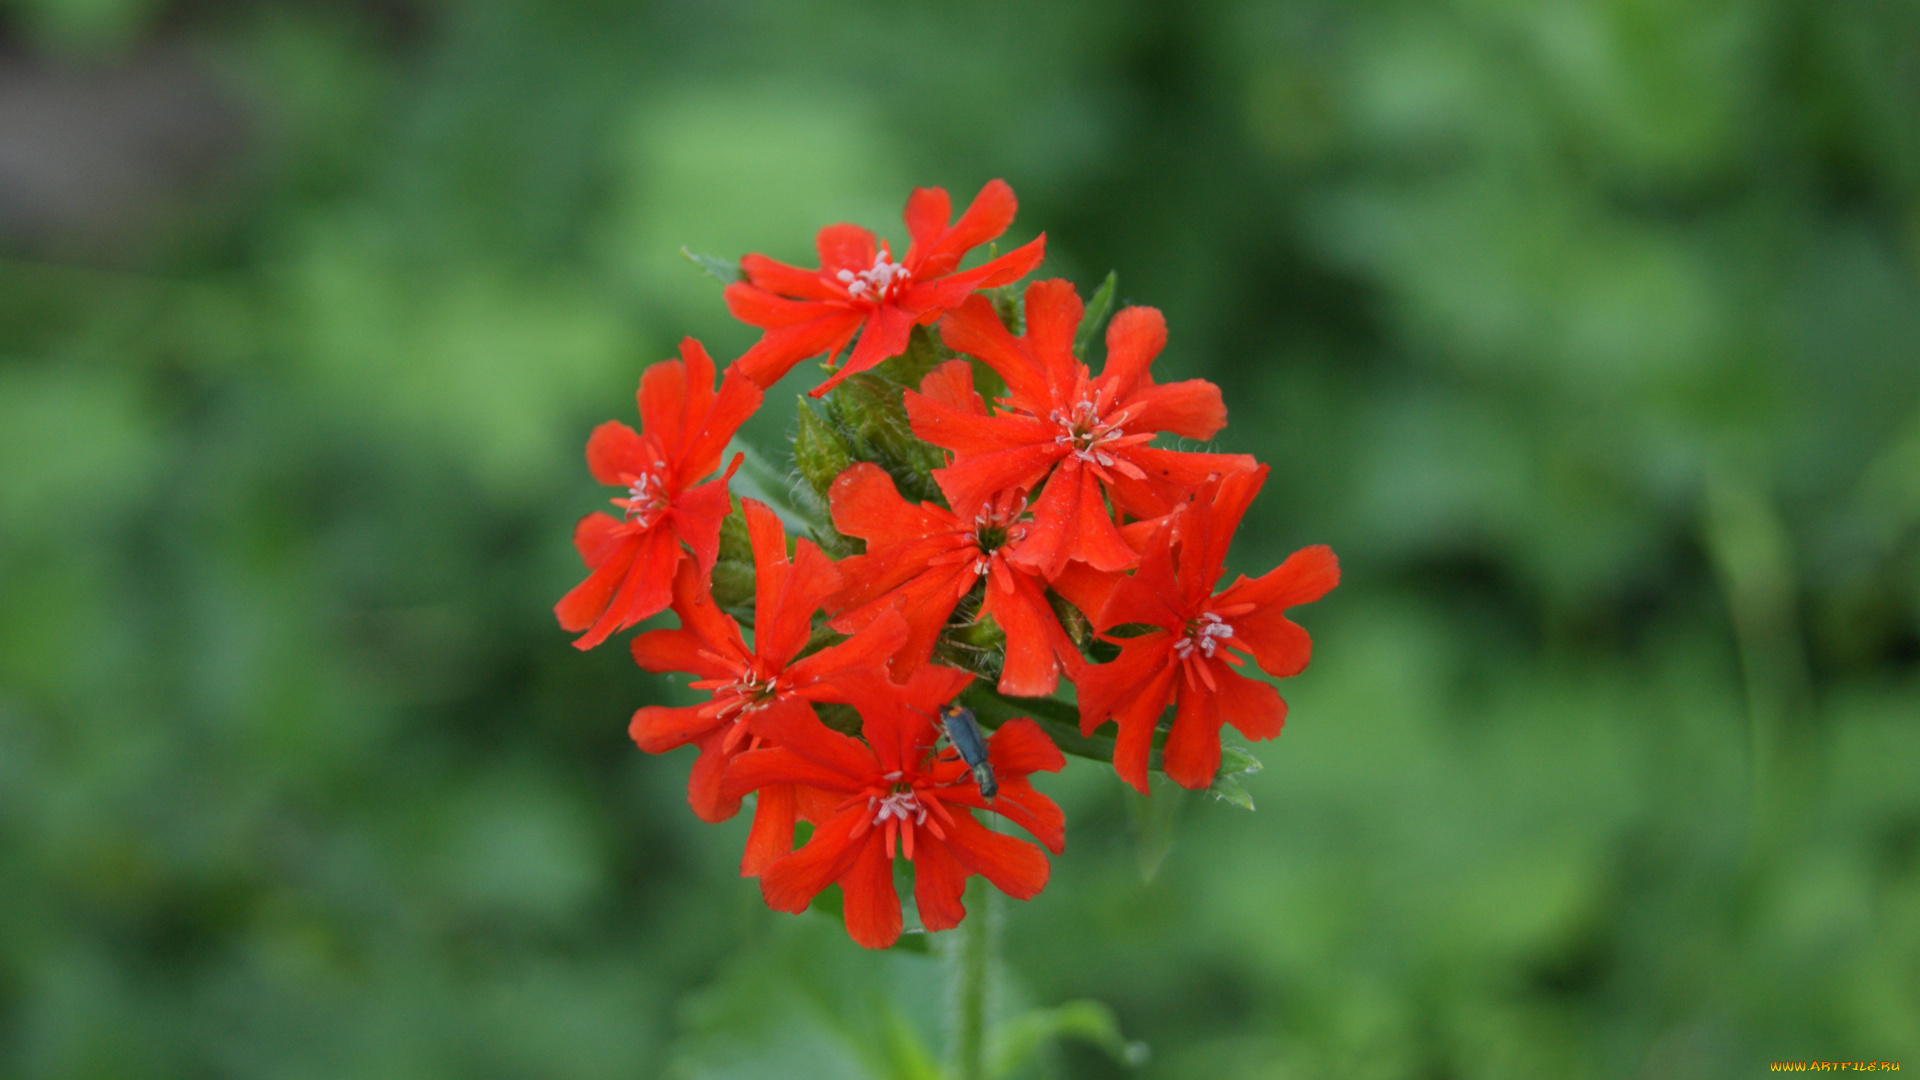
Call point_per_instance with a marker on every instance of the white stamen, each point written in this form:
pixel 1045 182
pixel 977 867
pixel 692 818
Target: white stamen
pixel 880 283
pixel 901 805
pixel 1206 636
pixel 1086 432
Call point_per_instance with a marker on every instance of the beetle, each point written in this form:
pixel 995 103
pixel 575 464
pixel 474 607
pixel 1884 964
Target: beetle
pixel 964 732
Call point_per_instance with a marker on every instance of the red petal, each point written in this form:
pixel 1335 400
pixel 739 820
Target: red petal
pixel 975 328
pixel 844 247
pixel 1132 690
pixel 1088 589
pixel 928 212
pixel 812 579
pixel 758 307
pixel 705 794
pixel 790 724
pixel 1019 747
pixel 1192 753
pixel 658 728
pixel 1152 595
pixel 1249 704
pixel 1209 528
pixel 969 435
pixel 1191 409
pixel 791 882
pixel 924 602
pixel 587 601
pixel 597 536
pixel 1172 476
pixel 1019 803
pixel 757 769
pixel 778 350
pixel 668 393
pixel 615 449
pixel 872 907
pixel 867 505
pixel 1034 636
pixel 738 399
pixel 1070 522
pixel 1018 868
pixel 1280 646
pixel 695 517
pixel 1053 317
pixel 985 218
pixel 1103 688
pixel 865 650
pixel 768 539
pixel 946 293
pixel 1134 338
pixel 772 834
pixel 951 384
pixel 939 882
pixel 778 277
pixel 883 337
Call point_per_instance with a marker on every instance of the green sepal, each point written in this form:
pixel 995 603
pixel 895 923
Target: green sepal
pixel 1072 620
pixel 1096 314
pixel 733 580
pixel 1006 304
pixel 925 351
pixel 735 544
pixel 719 269
pixel 733 584
pixel 819 452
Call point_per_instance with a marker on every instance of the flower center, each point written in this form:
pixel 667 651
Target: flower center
pixel 1086 432
pixel 903 805
pixel 1204 634
pixel 998 525
pixel 879 284
pixel 646 497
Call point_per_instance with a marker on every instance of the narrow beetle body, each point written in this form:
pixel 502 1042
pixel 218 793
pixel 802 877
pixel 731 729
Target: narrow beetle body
pixel 964 731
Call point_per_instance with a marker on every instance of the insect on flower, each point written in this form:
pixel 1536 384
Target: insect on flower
pixel 964 732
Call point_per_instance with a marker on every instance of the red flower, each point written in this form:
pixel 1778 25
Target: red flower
pixel 1085 434
pixel 923 559
pixel 859 289
pixel 1187 658
pixel 747 682
pixel 897 795
pixel 684 428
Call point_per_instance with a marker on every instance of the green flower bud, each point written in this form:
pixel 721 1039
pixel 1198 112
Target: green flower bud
pixel 868 412
pixel 819 452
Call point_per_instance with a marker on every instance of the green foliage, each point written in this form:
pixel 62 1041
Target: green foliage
pixel 1584 332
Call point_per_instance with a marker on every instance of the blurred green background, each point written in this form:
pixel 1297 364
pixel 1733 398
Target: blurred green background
pixel 1584 330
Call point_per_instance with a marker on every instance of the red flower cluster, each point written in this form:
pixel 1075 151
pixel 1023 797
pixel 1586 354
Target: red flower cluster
pixel 1056 509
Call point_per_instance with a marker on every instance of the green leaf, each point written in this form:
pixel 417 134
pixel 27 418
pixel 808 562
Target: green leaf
pixel 719 269
pixel 1015 1041
pixel 1096 314
pixel 1060 720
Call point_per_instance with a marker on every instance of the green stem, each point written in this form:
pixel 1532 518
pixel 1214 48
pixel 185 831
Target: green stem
pixel 973 956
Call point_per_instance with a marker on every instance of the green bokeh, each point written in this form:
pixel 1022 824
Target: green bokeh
pixel 1587 332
